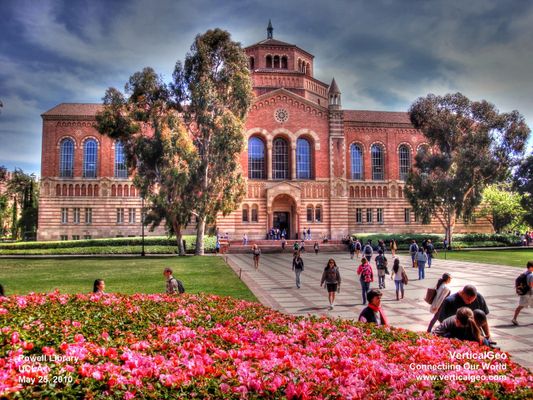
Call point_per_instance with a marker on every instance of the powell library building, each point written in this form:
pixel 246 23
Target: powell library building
pixel 309 163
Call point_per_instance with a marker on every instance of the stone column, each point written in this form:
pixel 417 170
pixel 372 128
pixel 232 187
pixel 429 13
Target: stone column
pixel 293 161
pixel 269 160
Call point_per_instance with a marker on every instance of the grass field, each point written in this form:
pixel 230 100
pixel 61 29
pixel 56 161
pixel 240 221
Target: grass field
pixel 516 258
pixel 207 274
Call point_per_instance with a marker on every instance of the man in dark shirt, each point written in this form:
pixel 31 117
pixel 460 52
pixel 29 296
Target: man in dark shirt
pixel 467 297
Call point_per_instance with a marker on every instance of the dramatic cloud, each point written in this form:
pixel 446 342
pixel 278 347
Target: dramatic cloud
pixel 383 54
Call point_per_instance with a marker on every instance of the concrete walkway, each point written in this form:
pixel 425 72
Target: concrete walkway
pixel 274 286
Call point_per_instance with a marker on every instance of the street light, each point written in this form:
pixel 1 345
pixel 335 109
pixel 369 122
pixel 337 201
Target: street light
pixel 142 226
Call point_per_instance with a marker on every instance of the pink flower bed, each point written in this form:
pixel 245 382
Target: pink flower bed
pixel 158 346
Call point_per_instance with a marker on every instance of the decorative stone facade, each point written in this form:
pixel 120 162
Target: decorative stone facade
pixel 308 163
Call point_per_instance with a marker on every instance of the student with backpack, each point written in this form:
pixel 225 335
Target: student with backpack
pixel 368 251
pixel 366 277
pixel 381 265
pixel 413 250
pixel 421 259
pixel 524 289
pixel 351 248
pixel 357 248
pixel 332 278
pixel 430 250
pixel 174 286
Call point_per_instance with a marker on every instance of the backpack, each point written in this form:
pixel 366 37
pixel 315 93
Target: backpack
pixel 368 249
pixel 520 284
pixel 366 273
pixel 357 246
pixel 382 262
pixel 181 288
pixel 413 248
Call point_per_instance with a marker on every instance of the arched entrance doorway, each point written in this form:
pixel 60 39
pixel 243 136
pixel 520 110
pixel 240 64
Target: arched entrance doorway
pixel 285 215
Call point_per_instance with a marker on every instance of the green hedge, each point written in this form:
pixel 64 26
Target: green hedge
pixel 153 245
pixel 459 240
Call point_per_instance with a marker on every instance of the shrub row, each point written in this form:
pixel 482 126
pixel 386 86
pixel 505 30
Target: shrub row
pixel 111 242
pixel 459 240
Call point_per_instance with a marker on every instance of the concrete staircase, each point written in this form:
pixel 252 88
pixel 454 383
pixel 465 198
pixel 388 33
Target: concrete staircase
pixel 274 246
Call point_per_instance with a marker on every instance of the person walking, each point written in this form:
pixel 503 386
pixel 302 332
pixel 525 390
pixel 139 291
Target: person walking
pixel 431 252
pixel 256 251
pixel 381 265
pixel 524 289
pixel 283 242
pixel 366 277
pixel 99 286
pixel 351 248
pixel 421 260
pixel 398 273
pixel 297 267
pixel 357 248
pixel 368 251
pixel 413 250
pixel 443 291
pixel 393 247
pixel 373 313
pixel 308 233
pixel 245 239
pixel 332 278
pixel 315 247
pixel 174 286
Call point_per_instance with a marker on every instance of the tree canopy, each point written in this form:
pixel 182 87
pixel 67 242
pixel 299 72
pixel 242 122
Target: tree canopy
pixel 501 206
pixel 182 139
pixel 523 182
pixel 213 87
pixel 472 145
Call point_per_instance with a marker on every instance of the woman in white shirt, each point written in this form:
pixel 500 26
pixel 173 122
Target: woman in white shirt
pixel 397 275
pixel 443 291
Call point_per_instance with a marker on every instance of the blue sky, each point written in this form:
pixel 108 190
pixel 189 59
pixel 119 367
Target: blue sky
pixel 384 54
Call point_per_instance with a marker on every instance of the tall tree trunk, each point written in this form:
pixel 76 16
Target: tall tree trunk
pixel 179 239
pixel 200 231
pixel 14 221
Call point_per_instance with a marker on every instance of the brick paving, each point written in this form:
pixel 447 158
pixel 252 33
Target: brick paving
pixel 274 285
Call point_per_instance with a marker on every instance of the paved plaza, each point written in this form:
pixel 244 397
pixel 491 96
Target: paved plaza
pixel 274 285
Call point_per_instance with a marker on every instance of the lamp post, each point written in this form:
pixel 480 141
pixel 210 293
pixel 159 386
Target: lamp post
pixel 142 227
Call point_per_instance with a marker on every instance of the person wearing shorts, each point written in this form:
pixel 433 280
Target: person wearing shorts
pixel 332 278
pixel 525 300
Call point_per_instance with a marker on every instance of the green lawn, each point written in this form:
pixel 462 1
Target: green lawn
pixel 516 258
pixel 208 274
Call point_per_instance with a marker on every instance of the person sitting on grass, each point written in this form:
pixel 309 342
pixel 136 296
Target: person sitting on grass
pixel 99 286
pixel 373 313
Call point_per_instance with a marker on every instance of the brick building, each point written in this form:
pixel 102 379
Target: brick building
pixel 308 162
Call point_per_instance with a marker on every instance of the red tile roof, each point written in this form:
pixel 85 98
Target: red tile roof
pixel 74 110
pixel 386 117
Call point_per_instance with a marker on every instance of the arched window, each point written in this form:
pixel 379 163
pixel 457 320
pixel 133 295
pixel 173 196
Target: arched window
pixel 256 158
pixel 252 63
pixel 245 213
pixel 310 213
pixel 276 62
pixel 121 171
pixel 318 213
pixel 255 213
pixel 66 158
pixel 303 159
pixel 280 159
pixel 356 157
pixel 405 161
pixel 308 69
pixel 90 158
pixel 378 162
pixel 284 63
pixel 269 61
